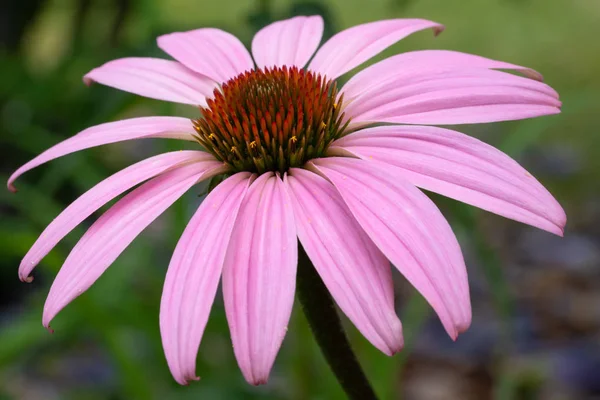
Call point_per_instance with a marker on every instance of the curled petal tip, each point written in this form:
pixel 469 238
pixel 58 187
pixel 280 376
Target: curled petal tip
pixel 185 379
pixel 87 80
pixel 438 29
pixel 532 74
pixel 560 232
pixel 456 329
pixel 460 329
pixel 453 335
pixel 11 180
pixel 463 328
pixel 25 269
pixel 558 229
pixel 47 318
pixel 394 343
pixel 392 351
pixel 258 382
pixel 190 379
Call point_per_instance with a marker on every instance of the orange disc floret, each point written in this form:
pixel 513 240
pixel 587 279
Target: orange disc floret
pixel 271 119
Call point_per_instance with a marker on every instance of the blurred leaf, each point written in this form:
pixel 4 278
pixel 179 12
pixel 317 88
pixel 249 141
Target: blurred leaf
pixel 22 334
pixel 415 313
pixel 131 373
pixel 528 133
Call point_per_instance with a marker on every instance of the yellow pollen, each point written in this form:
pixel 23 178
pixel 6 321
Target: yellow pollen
pixel 335 106
pixel 323 125
pixel 233 149
pixel 294 139
pixel 212 136
pixel 253 144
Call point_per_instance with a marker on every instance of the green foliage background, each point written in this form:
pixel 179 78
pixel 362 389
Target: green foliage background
pixel 107 344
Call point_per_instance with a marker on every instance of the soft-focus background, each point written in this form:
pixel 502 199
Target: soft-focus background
pixel 536 298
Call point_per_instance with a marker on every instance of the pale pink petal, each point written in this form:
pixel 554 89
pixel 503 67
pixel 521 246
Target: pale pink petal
pixel 356 273
pixel 289 42
pixel 403 67
pixel 194 273
pixel 453 97
pixel 208 51
pixel 460 167
pixel 117 228
pixel 259 276
pixel 112 132
pixel 353 46
pixel 410 230
pixel 404 86
pixel 99 195
pixel 154 78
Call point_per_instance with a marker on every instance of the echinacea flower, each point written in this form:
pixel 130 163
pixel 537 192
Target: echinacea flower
pixel 336 168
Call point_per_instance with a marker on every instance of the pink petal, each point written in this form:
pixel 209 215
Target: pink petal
pixel 194 273
pixel 208 51
pixel 154 78
pixel 112 132
pixel 353 46
pixel 454 97
pixel 460 167
pixel 259 277
pixel 410 230
pixel 117 228
pixel 419 63
pixel 356 273
pixel 408 84
pixel 289 42
pixel 99 195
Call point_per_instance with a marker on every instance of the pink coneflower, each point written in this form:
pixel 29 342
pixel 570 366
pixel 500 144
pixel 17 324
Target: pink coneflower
pixel 303 159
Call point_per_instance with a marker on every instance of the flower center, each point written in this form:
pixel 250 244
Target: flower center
pixel 271 119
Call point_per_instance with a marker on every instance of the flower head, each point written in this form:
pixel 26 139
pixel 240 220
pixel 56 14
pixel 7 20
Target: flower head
pixel 306 161
pixel 271 119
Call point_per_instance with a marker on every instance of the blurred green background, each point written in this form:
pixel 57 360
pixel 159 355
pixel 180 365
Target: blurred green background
pixel 536 298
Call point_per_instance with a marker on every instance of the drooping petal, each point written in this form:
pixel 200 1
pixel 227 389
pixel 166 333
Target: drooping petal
pixel 411 83
pixel 410 230
pixel 154 78
pixel 117 228
pixel 112 132
pixel 99 195
pixel 194 273
pixel 415 64
pixel 289 42
pixel 356 273
pixel 353 46
pixel 453 97
pixel 259 276
pixel 208 51
pixel 461 167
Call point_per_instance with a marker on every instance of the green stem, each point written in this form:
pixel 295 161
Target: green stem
pixel 327 328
